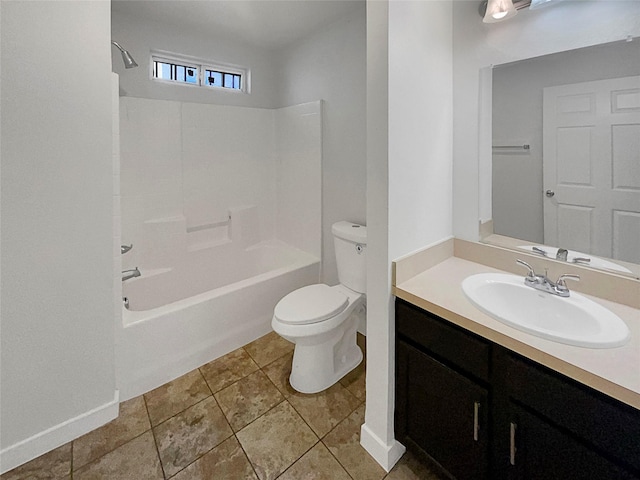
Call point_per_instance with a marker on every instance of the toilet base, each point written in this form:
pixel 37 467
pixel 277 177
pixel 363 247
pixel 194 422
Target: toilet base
pixel 315 369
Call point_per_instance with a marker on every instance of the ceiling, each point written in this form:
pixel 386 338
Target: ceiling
pixel 268 23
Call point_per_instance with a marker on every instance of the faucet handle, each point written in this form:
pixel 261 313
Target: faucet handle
pixel 562 285
pixel 532 273
pixel 539 251
pixel 125 248
pixel 581 260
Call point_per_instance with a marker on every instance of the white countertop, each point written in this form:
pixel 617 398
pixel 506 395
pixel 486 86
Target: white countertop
pixel 613 371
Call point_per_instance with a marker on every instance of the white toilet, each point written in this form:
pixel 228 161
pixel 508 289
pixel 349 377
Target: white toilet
pixel 322 321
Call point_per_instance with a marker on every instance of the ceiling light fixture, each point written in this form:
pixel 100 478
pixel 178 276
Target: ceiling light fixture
pixel 493 11
pixel 498 10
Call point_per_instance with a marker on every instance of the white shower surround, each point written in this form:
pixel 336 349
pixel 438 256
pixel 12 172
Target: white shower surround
pixel 223 207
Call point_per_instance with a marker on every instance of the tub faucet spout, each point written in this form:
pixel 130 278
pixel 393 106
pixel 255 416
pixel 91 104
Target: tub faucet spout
pixel 127 274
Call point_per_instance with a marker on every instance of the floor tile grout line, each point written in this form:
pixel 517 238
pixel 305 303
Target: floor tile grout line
pixel 109 451
pixel 276 388
pixel 200 456
pixel 180 412
pixel 298 459
pixel 71 461
pixel 260 416
pixel 205 379
pixel 144 395
pixel 236 436
pixel 230 384
pixel 94 460
pixel 311 448
pixel 312 429
pixel 336 458
pixel 208 451
pixel 278 358
pixel 247 457
pixel 235 381
pixel 329 432
pixel 275 360
pixel 155 441
pixel 303 419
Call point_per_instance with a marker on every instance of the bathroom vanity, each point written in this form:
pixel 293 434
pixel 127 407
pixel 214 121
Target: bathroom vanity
pixel 489 402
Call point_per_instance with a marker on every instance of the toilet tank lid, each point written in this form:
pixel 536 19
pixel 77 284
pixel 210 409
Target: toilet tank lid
pixel 350 231
pixel 311 304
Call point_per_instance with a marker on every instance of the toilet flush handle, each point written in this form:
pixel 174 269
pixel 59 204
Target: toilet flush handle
pixel 359 248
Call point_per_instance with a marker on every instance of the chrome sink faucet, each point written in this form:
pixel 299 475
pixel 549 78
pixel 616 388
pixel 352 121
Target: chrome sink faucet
pixel 542 282
pixel 562 254
pixel 128 274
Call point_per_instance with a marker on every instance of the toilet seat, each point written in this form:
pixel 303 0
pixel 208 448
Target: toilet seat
pixel 311 304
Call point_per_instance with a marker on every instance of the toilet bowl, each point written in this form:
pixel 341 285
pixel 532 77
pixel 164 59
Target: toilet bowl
pixel 322 321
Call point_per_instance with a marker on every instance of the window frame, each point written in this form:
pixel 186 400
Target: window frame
pixel 201 65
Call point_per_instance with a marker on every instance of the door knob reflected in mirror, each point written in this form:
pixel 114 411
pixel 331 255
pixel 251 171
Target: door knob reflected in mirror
pixel 549 193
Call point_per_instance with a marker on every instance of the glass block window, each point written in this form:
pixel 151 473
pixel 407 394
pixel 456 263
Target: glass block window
pixel 191 71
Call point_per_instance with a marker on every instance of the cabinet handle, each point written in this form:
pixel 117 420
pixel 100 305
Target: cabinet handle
pixel 512 443
pixel 476 423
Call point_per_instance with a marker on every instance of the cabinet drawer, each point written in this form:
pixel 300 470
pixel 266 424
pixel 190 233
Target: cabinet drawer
pixel 449 343
pixel 599 420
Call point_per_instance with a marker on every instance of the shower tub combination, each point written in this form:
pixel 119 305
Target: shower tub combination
pixel 216 300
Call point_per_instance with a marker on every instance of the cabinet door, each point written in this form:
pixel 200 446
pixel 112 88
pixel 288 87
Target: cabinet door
pixel 540 451
pixel 445 414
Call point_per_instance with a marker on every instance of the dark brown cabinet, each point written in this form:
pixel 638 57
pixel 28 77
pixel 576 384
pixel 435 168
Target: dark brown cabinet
pixel 543 451
pixel 484 412
pixel 432 388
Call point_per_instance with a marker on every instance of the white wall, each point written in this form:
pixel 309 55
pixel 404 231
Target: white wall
pixel 409 145
pixel 330 66
pixel 517 118
pixel 57 290
pixel 564 26
pixel 420 125
pixel 139 36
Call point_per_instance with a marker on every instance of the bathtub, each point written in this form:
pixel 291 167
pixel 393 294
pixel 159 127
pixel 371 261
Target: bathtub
pixel 216 300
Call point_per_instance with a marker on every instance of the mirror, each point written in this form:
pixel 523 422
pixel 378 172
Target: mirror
pixel 566 156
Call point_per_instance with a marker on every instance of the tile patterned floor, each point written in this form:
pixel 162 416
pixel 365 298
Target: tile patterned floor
pixel 234 418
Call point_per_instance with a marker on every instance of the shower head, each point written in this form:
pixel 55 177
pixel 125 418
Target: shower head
pixel 128 60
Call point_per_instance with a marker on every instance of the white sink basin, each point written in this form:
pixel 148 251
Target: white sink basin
pixel 575 320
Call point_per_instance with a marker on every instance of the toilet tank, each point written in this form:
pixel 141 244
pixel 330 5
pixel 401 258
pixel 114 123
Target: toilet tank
pixel 350 241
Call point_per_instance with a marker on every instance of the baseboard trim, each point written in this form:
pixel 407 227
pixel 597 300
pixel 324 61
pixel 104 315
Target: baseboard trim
pixel 56 436
pixel 386 455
